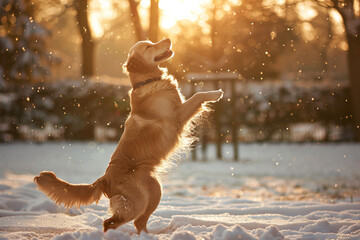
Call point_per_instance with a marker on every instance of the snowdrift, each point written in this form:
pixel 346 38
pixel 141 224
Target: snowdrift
pixel 257 198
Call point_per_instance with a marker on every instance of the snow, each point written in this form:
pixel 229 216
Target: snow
pixel 276 191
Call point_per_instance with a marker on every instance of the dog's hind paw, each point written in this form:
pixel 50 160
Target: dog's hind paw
pixel 44 177
pixel 111 223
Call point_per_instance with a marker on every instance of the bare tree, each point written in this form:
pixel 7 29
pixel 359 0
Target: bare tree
pixel 351 20
pixel 81 7
pixel 153 32
pixel 133 4
pixel 154 21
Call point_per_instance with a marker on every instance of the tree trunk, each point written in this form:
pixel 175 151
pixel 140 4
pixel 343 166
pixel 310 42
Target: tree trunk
pixel 154 21
pixel 324 48
pixel 354 73
pixel 136 20
pixel 214 58
pixel 87 44
pixel 352 28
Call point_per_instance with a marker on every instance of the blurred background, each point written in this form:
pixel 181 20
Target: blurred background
pixel 290 69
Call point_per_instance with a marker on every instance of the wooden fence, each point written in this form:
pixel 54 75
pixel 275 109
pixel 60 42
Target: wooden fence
pixel 225 81
pixel 227 129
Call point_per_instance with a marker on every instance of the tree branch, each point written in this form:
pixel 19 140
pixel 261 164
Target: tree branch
pixel 135 18
pixel 54 17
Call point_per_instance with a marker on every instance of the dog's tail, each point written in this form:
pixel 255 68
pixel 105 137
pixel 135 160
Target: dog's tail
pixel 70 194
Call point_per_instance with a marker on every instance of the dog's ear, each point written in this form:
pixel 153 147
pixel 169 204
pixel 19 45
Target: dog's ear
pixel 135 64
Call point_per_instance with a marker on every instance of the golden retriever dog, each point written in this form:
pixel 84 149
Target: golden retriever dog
pixel 160 122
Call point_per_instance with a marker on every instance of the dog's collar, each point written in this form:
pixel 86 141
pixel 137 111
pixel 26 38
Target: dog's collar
pixel 140 84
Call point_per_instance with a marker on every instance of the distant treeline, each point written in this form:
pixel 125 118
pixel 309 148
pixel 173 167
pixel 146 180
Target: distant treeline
pixel 278 112
pixel 78 108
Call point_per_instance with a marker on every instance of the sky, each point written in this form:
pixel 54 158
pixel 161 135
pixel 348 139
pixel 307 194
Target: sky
pixel 173 11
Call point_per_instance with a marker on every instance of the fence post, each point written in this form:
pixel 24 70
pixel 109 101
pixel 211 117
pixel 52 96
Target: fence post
pixel 204 142
pixel 193 145
pixel 218 108
pixel 234 122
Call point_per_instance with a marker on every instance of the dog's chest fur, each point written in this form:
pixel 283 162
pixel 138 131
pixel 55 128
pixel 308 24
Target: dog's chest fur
pixel 152 130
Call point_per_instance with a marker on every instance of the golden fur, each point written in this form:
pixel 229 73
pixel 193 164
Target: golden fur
pixel 158 124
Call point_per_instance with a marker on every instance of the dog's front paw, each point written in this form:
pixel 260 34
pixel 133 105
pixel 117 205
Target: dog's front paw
pixel 215 96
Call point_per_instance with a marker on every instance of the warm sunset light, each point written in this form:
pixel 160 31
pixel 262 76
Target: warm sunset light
pixel 101 13
pixel 173 11
pixel 306 10
pixel 179 119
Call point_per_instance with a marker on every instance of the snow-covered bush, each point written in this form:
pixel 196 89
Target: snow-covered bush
pixel 23 55
pixel 79 107
pixel 271 110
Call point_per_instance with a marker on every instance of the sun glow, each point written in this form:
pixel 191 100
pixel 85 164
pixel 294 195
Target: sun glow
pixel 100 14
pixel 306 11
pixel 173 11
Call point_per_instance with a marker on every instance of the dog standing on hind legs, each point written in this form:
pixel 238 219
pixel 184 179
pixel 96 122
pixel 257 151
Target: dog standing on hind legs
pixel 160 122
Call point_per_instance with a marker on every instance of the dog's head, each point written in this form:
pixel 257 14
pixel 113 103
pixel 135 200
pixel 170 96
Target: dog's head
pixel 145 56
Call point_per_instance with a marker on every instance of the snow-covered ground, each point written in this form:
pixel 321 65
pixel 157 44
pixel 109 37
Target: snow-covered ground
pixel 276 191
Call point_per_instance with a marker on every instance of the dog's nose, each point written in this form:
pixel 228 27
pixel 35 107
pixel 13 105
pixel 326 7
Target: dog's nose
pixel 167 40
